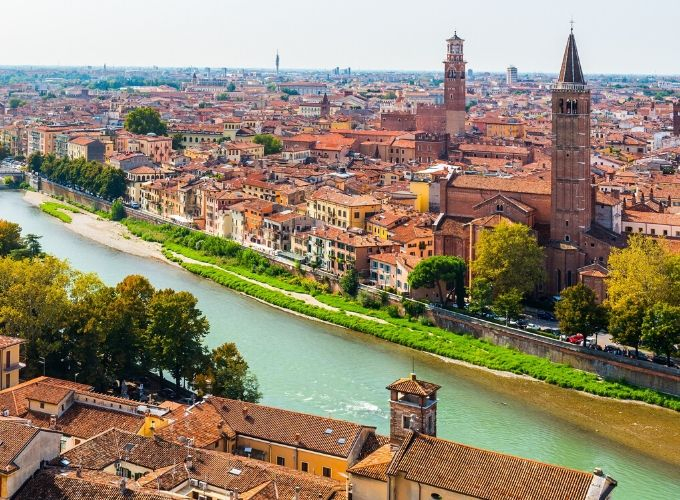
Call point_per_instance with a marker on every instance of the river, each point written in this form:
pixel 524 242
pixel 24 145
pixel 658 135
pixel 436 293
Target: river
pixel 315 368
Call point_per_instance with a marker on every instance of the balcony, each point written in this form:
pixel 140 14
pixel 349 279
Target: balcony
pixel 13 366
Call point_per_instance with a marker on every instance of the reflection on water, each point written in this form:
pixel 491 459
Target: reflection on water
pixel 316 368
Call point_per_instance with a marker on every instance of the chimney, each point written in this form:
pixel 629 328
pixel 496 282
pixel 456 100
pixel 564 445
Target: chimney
pixel 413 376
pixel 189 462
pixel 123 486
pixel 79 471
pixel 220 424
pixel 245 411
pixel 297 438
pixel 297 493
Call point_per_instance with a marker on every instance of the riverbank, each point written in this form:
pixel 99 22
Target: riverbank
pixel 325 370
pixel 219 260
pixel 102 231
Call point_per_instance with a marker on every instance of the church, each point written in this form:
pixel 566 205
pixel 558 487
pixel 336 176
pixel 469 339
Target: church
pixel 567 213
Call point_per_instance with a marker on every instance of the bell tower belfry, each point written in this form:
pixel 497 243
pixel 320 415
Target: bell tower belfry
pixel 413 407
pixel 571 190
pixel 454 86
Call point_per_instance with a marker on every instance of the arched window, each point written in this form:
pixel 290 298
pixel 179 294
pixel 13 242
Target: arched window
pixel 568 278
pixel 566 237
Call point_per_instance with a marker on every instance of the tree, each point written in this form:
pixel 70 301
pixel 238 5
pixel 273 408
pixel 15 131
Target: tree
pixel 35 161
pixel 578 311
pixel 641 275
pixel 508 304
pixel 10 237
pixel 510 258
pixel 412 308
pixel 177 141
pixel 223 96
pixel 32 247
pixel 271 144
pixel 145 120
pixel 349 282
pixel 661 329
pixel 228 376
pixel 444 272
pixel 176 330
pixel 15 103
pixel 231 87
pixel 117 210
pixel 481 296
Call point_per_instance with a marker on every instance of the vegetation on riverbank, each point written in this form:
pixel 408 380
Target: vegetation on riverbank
pixel 420 335
pixel 78 326
pixel 444 343
pixel 57 210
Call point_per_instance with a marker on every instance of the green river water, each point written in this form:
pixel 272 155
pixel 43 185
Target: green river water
pixel 312 367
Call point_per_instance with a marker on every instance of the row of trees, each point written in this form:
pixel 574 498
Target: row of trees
pixel 271 144
pixel 643 289
pixel 76 324
pixel 94 177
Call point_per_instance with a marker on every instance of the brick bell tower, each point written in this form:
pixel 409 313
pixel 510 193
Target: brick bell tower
pixel 454 86
pixel 571 190
pixel 676 118
pixel 413 407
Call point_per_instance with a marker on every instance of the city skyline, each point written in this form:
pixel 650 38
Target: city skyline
pixel 529 36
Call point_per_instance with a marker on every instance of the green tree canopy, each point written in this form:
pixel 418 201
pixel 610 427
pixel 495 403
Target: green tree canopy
pixel 661 329
pixel 176 330
pixel 117 209
pixel 508 304
pixel 10 237
pixel 510 258
pixel 349 282
pixel 641 275
pixel 145 120
pixel 227 375
pixel 444 272
pixel 271 144
pixel 578 311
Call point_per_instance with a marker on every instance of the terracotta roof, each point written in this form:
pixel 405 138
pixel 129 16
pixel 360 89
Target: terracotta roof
pixel 510 185
pixel 15 399
pixel 375 465
pixel 14 436
pixel 485 474
pixel 6 341
pixel 84 421
pixel 53 484
pixel 327 193
pixel 325 435
pixel 411 385
pixel 201 422
pixel 48 393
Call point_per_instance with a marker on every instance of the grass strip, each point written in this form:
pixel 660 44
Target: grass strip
pixel 57 210
pixel 448 344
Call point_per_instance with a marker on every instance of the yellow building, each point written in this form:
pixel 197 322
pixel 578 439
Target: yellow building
pixel 338 209
pixel 307 443
pixel 10 357
pixel 381 224
pixel 421 188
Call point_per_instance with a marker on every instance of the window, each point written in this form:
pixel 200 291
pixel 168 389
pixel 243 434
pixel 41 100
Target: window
pixel 326 472
pixel 42 405
pixel 280 461
pixel 304 467
pixel 7 380
pixel 566 237
pixel 406 421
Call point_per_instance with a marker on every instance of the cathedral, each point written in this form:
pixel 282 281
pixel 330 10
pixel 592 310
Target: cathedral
pixel 563 209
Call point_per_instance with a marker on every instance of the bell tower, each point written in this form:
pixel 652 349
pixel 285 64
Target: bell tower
pixel 413 407
pixel 571 190
pixel 676 118
pixel 454 86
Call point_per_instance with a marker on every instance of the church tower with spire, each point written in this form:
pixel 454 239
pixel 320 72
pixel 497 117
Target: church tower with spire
pixel 571 190
pixel 454 86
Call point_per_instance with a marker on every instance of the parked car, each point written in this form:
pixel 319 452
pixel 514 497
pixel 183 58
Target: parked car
pixel 134 205
pixel 613 348
pixel 546 315
pixel 575 339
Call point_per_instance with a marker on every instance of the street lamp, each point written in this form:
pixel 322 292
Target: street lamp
pixel 75 377
pixel 42 361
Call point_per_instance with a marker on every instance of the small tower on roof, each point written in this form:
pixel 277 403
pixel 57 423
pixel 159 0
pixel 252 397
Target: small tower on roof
pixel 413 407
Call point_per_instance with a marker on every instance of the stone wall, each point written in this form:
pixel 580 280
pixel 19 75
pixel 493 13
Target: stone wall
pixel 608 366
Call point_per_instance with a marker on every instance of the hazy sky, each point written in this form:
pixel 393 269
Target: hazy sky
pixel 613 36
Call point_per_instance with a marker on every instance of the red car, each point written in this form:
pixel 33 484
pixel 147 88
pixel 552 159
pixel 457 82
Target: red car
pixel 576 339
